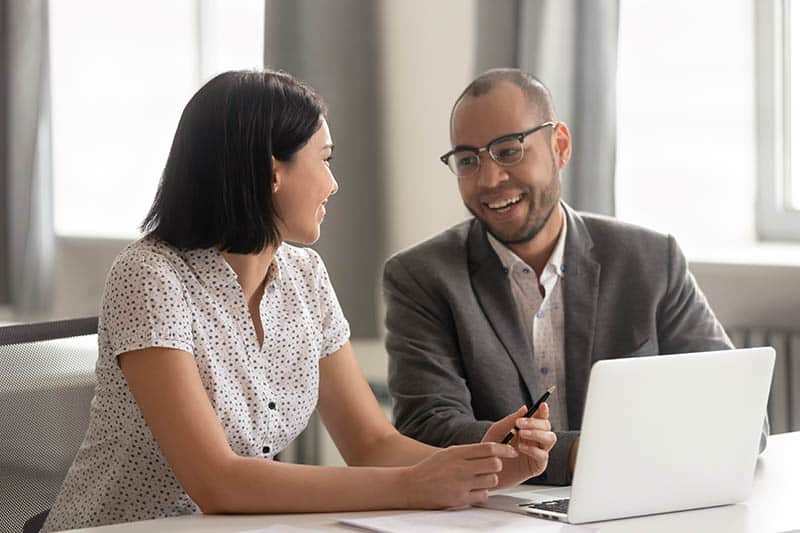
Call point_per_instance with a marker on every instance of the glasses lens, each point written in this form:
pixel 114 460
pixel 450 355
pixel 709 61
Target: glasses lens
pixel 506 151
pixel 463 163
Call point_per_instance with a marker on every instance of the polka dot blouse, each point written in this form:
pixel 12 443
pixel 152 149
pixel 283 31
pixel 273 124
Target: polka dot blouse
pixel 263 396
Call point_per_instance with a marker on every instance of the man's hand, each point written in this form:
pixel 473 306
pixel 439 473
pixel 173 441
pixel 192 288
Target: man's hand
pixel 533 440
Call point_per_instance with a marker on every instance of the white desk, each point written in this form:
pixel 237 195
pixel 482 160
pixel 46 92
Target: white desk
pixel 773 507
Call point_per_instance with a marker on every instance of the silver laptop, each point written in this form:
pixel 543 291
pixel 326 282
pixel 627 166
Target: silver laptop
pixel 662 433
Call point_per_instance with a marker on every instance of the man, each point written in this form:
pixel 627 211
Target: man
pixel 529 293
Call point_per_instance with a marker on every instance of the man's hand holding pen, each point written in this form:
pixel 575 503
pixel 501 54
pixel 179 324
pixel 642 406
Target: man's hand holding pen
pixel 533 439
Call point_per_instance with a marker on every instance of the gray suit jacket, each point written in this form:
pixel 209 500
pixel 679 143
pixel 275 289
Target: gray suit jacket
pixel 459 358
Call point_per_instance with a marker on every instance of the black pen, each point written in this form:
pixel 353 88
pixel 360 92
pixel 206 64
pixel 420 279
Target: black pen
pixel 529 414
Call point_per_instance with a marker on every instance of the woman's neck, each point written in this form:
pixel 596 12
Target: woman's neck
pixel 251 271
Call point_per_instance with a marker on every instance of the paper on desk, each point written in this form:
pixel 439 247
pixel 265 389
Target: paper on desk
pixel 280 528
pixel 461 520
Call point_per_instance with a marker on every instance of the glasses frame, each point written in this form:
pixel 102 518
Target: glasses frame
pixel 488 147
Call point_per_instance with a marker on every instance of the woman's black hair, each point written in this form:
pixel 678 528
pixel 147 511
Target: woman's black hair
pixel 216 190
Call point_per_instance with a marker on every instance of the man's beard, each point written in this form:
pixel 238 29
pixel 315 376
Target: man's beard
pixel 533 226
pixel 532 232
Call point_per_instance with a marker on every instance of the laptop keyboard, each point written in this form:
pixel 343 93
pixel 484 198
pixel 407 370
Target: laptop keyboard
pixel 555 506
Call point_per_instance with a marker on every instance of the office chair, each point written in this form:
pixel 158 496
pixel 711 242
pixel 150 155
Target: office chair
pixel 46 384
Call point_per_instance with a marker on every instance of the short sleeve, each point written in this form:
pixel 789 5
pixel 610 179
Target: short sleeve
pixel 144 305
pixel 335 328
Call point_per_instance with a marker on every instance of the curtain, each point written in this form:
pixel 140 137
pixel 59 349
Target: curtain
pixel 334 46
pixel 571 45
pixel 26 190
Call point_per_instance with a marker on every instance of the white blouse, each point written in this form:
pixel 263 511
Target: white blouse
pixel 263 396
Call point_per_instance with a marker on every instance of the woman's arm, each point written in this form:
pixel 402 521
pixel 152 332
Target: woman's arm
pixel 364 436
pixel 168 390
pixel 355 420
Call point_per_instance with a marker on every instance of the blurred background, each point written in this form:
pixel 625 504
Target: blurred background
pixel 681 110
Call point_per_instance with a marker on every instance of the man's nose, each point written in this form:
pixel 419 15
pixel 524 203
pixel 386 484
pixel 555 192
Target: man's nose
pixel 490 174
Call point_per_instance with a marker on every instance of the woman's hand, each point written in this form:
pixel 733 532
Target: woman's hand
pixel 533 440
pixel 456 476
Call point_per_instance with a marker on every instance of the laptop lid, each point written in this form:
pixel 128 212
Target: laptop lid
pixel 670 432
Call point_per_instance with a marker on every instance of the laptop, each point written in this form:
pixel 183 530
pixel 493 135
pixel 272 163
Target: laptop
pixel 660 434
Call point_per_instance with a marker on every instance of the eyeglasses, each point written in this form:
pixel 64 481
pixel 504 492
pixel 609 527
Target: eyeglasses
pixel 464 161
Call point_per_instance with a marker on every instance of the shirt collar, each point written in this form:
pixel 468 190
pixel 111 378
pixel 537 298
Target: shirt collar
pixel 211 267
pixel 512 261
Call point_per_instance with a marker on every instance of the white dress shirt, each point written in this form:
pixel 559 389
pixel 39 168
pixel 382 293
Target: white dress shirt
pixel 543 317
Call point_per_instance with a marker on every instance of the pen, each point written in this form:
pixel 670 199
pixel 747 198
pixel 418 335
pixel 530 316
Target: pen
pixel 529 414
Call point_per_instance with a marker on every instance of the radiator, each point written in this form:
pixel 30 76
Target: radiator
pixel 784 396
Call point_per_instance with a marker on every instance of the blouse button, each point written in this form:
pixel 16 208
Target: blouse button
pixel 271 405
pixel 265 450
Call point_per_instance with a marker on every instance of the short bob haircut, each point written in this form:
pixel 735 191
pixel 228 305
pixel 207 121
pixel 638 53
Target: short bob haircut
pixel 216 190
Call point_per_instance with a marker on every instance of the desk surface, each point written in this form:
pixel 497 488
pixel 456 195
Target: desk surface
pixel 773 507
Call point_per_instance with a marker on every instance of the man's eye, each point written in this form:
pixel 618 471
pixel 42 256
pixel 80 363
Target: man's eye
pixel 508 153
pixel 328 160
pixel 466 161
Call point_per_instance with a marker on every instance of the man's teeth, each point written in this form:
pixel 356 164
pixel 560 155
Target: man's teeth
pixel 505 203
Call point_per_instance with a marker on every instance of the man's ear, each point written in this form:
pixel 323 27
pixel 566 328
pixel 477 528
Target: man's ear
pixel 562 139
pixel 277 168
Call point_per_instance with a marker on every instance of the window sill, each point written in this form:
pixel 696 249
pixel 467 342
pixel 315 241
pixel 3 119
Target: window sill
pixel 755 254
pixel 751 285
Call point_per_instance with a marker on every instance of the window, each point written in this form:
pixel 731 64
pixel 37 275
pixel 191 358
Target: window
pixel 121 73
pixel 686 122
pixel 778 93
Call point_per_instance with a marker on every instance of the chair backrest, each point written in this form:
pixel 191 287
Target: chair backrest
pixel 46 385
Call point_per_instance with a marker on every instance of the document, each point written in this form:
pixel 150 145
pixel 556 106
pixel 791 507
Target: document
pixel 461 521
pixel 279 528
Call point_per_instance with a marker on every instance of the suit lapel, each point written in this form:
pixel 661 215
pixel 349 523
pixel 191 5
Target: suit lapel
pixel 491 286
pixel 581 288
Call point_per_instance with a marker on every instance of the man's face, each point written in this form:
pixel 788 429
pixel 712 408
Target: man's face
pixel 514 202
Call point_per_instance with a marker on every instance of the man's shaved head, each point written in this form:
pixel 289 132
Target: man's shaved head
pixel 538 96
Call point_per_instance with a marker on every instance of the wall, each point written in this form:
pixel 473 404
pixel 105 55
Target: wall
pixel 425 68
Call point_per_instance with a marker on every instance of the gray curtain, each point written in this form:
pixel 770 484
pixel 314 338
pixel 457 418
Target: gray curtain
pixel 334 45
pixel 25 184
pixel 4 230
pixel 571 45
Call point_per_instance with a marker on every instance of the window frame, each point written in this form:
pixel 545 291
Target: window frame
pixel 776 218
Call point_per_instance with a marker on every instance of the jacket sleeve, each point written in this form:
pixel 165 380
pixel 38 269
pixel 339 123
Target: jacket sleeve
pixel 686 322
pixel 432 402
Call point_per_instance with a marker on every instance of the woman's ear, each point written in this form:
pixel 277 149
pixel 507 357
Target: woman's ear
pixel 277 168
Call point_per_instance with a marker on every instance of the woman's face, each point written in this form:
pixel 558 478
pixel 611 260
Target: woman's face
pixel 302 187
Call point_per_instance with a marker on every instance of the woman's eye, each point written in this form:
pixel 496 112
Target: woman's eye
pixel 328 160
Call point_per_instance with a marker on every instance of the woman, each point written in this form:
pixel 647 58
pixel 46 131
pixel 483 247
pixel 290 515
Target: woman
pixel 217 341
